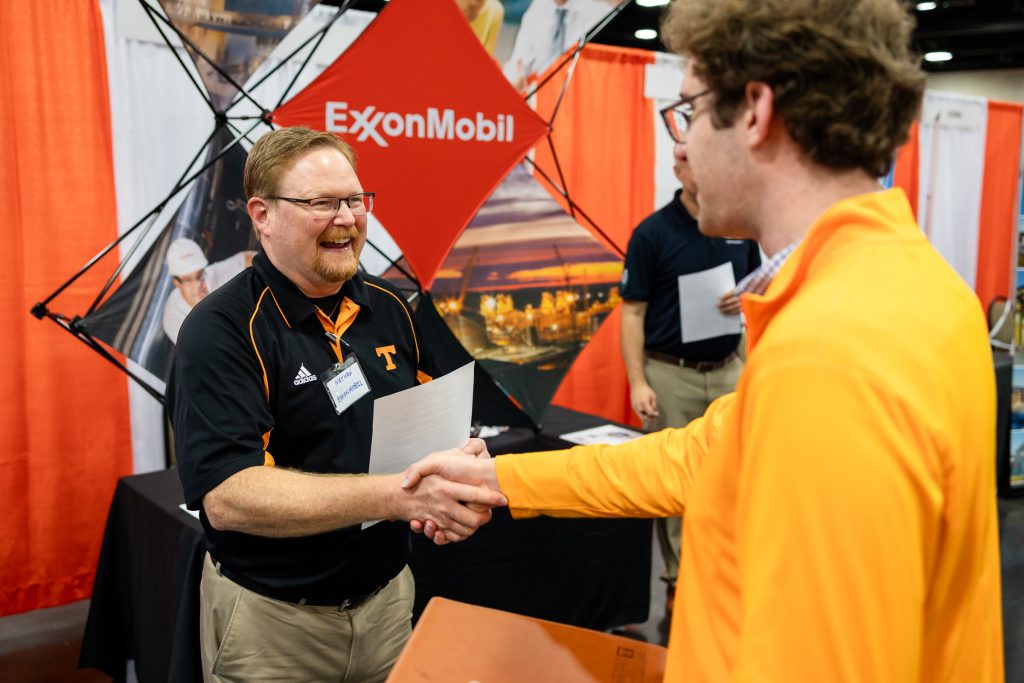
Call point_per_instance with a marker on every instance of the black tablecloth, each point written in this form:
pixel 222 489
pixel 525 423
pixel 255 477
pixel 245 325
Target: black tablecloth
pixel 1004 388
pixel 145 604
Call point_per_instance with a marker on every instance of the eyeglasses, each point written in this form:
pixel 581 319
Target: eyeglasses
pixel 677 117
pixel 328 207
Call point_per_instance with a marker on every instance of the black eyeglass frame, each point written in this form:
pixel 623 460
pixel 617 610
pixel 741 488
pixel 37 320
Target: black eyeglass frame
pixel 684 108
pixel 366 197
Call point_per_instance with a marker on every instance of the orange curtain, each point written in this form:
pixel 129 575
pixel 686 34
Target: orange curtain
pixel 997 236
pixel 64 424
pixel 905 171
pixel 604 138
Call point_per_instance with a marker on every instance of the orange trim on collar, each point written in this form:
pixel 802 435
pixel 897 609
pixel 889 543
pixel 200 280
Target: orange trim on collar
pixel 279 309
pixel 346 316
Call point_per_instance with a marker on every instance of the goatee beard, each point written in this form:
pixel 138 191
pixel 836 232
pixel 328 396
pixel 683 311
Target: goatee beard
pixel 329 273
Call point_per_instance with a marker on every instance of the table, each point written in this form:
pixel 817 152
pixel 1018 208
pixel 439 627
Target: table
pixel 1004 364
pixel 145 605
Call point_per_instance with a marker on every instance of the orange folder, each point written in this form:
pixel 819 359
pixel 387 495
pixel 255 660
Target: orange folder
pixel 459 643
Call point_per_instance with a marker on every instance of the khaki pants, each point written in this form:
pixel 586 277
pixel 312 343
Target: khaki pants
pixel 683 395
pixel 249 637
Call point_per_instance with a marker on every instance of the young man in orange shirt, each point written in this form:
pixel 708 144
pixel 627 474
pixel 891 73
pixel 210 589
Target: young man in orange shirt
pixel 840 504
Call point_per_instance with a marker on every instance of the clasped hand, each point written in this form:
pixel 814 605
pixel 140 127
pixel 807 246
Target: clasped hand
pixel 469 473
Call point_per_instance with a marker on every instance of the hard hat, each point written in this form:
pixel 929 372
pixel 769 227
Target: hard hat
pixel 184 256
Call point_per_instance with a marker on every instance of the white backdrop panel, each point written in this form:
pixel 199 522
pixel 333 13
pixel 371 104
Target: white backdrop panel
pixel 952 167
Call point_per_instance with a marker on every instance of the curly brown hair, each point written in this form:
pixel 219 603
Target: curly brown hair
pixel 844 79
pixel 274 153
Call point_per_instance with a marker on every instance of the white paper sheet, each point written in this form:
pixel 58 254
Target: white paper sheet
pixel 605 434
pixel 698 304
pixel 426 418
pixel 430 417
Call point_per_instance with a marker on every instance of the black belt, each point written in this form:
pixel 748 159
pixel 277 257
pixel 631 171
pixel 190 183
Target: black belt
pixel 347 603
pixel 315 601
pixel 698 365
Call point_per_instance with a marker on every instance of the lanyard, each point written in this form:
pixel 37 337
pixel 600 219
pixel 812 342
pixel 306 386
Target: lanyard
pixel 334 329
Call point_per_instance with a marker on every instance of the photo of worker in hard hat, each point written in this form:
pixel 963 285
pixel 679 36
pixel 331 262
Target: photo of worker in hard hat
pixel 194 277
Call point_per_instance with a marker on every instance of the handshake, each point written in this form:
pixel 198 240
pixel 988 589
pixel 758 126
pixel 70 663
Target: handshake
pixel 448 495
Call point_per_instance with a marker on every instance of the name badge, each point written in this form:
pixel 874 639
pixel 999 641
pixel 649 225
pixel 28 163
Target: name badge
pixel 345 384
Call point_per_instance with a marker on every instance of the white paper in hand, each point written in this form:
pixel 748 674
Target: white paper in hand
pixel 430 417
pixel 698 304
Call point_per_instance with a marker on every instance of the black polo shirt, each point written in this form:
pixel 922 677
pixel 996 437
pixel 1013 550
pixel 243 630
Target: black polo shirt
pixel 664 246
pixel 245 390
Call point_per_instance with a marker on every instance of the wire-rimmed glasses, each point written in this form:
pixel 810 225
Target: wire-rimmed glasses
pixel 359 204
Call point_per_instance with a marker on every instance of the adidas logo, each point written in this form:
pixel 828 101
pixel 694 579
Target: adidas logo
pixel 304 376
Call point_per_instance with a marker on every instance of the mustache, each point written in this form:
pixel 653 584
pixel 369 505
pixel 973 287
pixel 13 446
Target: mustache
pixel 337 235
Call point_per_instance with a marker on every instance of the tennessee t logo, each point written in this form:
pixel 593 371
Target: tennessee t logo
pixel 386 351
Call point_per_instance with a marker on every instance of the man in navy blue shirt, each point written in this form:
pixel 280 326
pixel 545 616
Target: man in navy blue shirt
pixel 672 382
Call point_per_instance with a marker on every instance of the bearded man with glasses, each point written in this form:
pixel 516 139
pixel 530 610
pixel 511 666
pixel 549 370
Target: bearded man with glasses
pixel 271 400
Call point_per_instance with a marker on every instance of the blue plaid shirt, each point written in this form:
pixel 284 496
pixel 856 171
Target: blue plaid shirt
pixel 757 282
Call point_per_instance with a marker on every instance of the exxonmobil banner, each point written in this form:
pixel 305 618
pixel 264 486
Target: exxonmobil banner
pixel 435 124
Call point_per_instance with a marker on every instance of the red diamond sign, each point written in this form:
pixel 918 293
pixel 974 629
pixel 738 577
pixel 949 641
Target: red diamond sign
pixel 434 122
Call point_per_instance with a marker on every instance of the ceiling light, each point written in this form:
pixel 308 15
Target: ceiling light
pixel 646 34
pixel 940 56
pixel 652 3
pixel 925 6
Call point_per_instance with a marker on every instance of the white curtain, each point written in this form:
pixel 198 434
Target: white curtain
pixel 661 84
pixel 952 166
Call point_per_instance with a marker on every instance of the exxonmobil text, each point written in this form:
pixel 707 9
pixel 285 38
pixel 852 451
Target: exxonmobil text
pixel 435 124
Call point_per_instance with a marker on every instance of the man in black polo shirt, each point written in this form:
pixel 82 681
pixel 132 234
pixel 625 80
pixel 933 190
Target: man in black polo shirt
pixel 671 383
pixel 271 398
